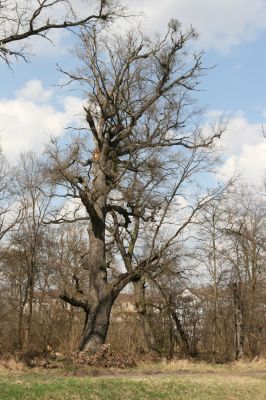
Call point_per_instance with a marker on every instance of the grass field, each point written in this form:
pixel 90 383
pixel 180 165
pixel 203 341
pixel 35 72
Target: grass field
pixel 193 382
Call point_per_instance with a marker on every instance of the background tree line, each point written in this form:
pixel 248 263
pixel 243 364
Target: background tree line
pixel 207 298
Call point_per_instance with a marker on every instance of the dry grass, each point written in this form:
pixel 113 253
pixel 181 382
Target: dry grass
pixel 186 366
pixel 13 365
pixel 164 367
pixel 250 366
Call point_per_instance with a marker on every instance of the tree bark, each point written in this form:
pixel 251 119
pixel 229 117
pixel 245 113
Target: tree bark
pixel 183 337
pixel 30 289
pixel 239 326
pixel 214 322
pixel 141 307
pixel 99 297
pixel 96 326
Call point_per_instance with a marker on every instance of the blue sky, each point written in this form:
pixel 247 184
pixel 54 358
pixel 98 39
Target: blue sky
pixel 238 81
pixel 233 36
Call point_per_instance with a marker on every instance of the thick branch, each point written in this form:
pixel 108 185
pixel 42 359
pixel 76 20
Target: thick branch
pixel 74 302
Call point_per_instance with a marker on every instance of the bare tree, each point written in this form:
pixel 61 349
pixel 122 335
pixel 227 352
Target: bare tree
pixel 27 245
pixel 246 256
pixel 23 19
pixel 139 115
pixel 169 282
pixel 209 247
pixel 10 214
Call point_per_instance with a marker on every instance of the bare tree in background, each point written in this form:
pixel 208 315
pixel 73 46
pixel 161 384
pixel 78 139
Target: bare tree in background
pixel 160 211
pixel 10 214
pixel 27 245
pixel 245 254
pixel 208 252
pixel 23 19
pixel 169 284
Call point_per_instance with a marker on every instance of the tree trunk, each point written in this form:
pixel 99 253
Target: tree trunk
pixel 239 326
pixel 20 326
pixel 99 301
pixel 185 348
pixel 96 326
pixel 253 333
pixel 171 341
pixel 214 324
pixel 27 339
pixel 141 307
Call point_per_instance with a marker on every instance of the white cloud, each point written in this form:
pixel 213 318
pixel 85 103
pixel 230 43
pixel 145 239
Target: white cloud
pixel 239 133
pixel 244 150
pixel 250 164
pixel 27 123
pixel 59 40
pixel 59 44
pixel 222 24
pixel 34 91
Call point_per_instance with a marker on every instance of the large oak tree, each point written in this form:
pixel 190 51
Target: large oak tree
pixel 126 166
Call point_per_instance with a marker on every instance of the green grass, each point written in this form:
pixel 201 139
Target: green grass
pixel 53 386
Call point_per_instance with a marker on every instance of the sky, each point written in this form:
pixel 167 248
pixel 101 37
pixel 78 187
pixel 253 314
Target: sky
pixel 232 34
